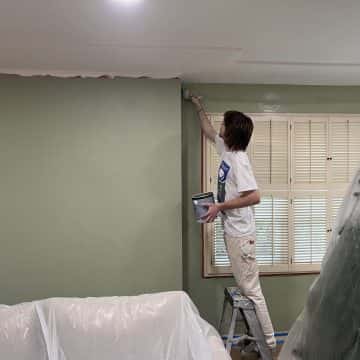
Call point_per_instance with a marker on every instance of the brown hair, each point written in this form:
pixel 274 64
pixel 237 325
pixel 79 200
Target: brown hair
pixel 238 130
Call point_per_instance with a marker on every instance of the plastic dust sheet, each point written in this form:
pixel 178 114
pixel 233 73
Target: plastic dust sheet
pixel 329 326
pixel 164 326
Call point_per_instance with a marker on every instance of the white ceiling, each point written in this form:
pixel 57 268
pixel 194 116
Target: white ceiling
pixel 241 41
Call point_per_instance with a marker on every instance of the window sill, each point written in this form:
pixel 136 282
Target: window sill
pixel 264 274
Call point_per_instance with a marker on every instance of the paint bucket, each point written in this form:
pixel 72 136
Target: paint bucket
pixel 199 209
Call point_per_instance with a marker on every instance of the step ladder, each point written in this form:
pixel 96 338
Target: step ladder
pixel 243 309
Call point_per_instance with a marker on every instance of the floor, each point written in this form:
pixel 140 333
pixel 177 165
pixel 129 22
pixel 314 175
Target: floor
pixel 235 354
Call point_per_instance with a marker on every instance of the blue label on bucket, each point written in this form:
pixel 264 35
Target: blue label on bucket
pixel 223 173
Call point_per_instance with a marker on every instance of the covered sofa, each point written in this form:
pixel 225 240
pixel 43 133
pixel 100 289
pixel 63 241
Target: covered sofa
pixel 163 326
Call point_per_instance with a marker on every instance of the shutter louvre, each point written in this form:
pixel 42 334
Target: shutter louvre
pixel 310 151
pixel 354 146
pixel 310 225
pixel 336 202
pixel 345 148
pixel 220 256
pixel 270 151
pixel 261 157
pixel 272 231
pixel 340 150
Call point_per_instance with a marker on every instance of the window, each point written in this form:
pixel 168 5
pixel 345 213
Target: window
pixel 303 165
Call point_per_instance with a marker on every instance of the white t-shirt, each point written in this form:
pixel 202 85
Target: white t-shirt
pixel 235 176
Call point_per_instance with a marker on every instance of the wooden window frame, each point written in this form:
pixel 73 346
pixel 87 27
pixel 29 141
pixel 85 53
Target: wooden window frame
pixel 211 271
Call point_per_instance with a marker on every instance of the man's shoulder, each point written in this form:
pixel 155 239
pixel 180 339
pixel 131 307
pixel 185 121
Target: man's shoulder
pixel 240 157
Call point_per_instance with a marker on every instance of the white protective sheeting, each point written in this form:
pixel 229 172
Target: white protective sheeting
pixel 329 326
pixel 164 326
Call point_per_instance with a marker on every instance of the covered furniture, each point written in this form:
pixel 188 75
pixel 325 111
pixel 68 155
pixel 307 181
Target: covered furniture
pixel 164 326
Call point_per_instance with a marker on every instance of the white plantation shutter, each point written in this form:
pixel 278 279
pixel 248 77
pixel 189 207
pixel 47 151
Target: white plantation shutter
pixel 261 151
pixel 309 216
pixel 279 151
pixel 310 228
pixel 354 146
pixel 339 150
pixel 272 231
pixel 345 148
pixel 303 165
pixel 270 160
pixel 336 202
pixel 309 151
pixel 269 150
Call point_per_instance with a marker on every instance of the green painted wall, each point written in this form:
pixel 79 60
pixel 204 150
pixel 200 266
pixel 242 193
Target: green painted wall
pixel 285 294
pixel 90 187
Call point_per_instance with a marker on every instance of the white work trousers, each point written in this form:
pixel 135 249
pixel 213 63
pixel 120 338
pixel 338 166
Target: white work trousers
pixel 241 251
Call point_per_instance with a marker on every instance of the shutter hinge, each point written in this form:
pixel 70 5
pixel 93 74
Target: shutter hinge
pixel 290 180
pixel 291 201
pixel 290 126
pixel 291 260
